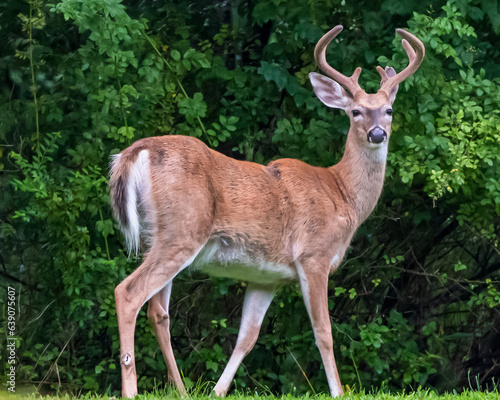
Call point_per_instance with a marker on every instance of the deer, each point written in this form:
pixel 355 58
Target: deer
pixel 288 221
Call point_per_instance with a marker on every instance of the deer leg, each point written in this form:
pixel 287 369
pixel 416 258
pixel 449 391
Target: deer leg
pixel 314 286
pixel 159 316
pixel 158 269
pixel 257 301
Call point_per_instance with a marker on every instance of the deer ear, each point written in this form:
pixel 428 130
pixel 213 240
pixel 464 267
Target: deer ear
pixel 329 92
pixel 391 72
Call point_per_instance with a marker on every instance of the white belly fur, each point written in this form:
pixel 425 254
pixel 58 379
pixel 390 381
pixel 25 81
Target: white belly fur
pixel 216 259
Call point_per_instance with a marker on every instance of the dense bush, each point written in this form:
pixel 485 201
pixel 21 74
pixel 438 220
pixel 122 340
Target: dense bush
pixel 416 302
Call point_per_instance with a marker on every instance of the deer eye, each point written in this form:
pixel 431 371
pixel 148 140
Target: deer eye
pixel 389 111
pixel 355 113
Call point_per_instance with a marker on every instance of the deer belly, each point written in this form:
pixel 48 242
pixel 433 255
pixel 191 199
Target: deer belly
pixel 216 259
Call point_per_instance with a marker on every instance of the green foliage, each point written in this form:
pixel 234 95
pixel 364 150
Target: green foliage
pixel 389 350
pixel 416 303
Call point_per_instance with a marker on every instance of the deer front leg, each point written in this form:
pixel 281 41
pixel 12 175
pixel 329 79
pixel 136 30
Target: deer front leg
pixel 314 286
pixel 257 301
pixel 159 316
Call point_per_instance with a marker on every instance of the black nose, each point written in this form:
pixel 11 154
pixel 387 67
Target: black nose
pixel 377 135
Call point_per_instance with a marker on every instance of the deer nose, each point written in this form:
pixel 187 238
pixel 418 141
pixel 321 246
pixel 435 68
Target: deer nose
pixel 377 135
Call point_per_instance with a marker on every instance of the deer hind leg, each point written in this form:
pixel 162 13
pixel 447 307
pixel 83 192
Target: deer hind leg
pixel 257 301
pixel 160 318
pixel 314 286
pixel 158 269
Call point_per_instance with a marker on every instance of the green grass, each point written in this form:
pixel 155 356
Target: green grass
pixel 203 395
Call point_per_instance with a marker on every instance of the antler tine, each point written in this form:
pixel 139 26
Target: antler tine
pixel 415 50
pixel 409 50
pixel 350 83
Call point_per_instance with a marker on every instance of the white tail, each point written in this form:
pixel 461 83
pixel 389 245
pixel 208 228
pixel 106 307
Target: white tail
pixel 268 225
pixel 135 194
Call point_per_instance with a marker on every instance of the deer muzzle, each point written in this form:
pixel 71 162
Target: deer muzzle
pixel 376 135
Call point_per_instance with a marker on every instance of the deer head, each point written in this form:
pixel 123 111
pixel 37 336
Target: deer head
pixel 370 114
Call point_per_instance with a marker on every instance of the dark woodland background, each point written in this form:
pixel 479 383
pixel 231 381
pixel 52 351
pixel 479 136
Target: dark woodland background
pixel 415 302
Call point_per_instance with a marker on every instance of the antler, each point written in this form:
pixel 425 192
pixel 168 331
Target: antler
pixel 415 50
pixel 350 83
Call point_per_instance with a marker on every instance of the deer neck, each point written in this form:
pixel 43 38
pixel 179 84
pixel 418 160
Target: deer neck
pixel 362 171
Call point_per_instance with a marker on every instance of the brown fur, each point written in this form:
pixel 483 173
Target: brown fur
pixel 247 201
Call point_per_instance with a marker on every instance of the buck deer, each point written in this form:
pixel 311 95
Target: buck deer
pixel 267 225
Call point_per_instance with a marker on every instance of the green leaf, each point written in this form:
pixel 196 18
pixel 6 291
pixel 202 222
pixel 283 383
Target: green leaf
pixel 274 73
pixel 189 53
pixel 263 12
